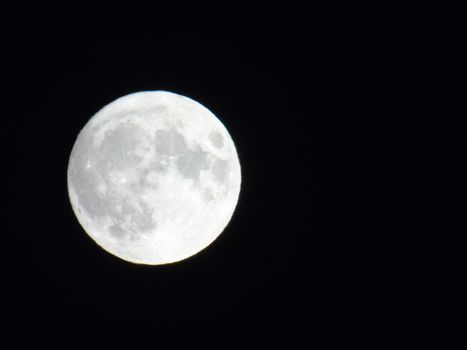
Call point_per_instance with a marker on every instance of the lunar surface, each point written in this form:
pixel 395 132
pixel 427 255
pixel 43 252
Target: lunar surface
pixel 154 177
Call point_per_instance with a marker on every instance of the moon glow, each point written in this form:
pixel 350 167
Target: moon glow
pixel 154 177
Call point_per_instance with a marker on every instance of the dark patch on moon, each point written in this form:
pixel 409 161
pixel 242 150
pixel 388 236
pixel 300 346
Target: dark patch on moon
pixel 117 231
pixel 92 202
pixel 220 169
pixel 169 142
pixel 117 150
pixel 116 153
pixel 192 162
pixel 216 139
pixel 140 219
pixel 145 180
pixel 159 166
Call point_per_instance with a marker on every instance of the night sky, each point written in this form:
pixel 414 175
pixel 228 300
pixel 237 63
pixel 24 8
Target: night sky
pixel 287 101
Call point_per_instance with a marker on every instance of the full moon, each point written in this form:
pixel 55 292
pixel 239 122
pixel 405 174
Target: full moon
pixel 154 177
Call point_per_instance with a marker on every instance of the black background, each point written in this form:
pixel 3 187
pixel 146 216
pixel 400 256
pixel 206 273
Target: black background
pixel 288 98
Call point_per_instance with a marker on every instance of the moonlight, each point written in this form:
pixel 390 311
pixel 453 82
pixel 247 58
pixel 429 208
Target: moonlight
pixel 154 177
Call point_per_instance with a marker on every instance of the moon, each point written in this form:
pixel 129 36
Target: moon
pixel 154 177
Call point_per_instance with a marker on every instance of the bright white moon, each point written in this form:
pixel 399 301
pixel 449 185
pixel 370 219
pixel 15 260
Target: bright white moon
pixel 154 177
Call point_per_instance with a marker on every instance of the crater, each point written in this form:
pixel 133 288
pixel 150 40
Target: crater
pixel 216 139
pixel 169 142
